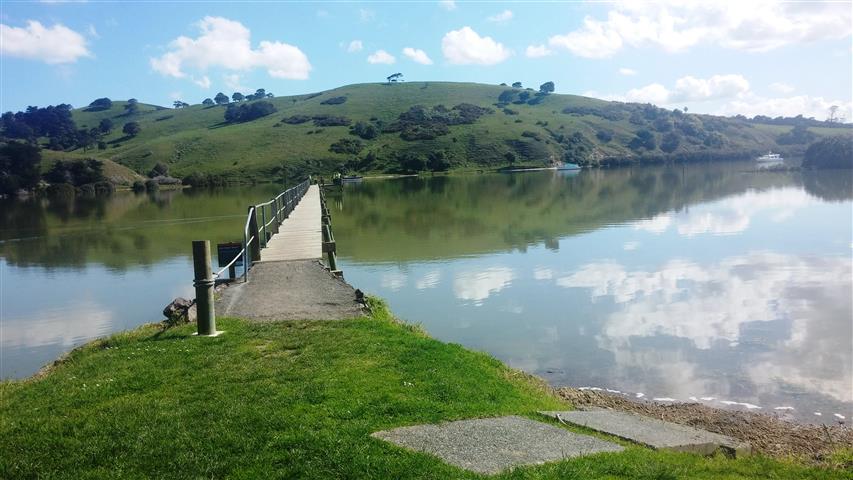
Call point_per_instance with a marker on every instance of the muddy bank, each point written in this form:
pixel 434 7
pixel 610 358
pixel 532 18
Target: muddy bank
pixel 768 435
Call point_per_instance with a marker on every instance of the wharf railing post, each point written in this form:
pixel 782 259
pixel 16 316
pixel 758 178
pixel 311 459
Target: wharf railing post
pixel 203 283
pixel 264 223
pixel 255 244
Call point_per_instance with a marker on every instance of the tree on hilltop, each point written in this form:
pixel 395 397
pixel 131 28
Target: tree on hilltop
pixel 131 128
pixel 221 98
pixel 131 107
pixel 208 102
pixel 547 87
pixel 237 97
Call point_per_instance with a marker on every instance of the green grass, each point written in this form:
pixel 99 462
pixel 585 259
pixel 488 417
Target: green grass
pixel 288 400
pixel 195 139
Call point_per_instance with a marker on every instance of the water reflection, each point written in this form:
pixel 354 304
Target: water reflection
pixel 702 282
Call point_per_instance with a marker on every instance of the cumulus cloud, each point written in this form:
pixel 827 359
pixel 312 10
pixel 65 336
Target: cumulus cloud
pixel 417 55
pixel 477 286
pixel 675 25
pixel 502 17
pixel 687 89
pixel 355 46
pixel 53 45
pixel 226 44
pixel 537 51
pixel 466 47
pixel 203 82
pixel 233 81
pixel 781 87
pixel 448 4
pixel 381 57
pixel 627 71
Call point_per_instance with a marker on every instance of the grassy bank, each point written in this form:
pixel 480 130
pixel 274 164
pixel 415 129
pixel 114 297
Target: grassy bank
pixel 291 400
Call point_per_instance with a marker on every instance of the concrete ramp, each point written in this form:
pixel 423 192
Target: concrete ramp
pixel 294 290
pixel 651 432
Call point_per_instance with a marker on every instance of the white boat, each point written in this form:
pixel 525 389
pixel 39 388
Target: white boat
pixel 568 166
pixel 770 157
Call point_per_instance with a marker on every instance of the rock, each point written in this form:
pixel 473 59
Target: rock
pixel 359 297
pixel 180 310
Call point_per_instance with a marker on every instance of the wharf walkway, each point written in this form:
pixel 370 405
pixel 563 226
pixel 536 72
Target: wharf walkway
pixel 285 240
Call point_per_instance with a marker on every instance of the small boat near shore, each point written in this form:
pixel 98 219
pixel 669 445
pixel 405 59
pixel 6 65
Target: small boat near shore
pixel 352 179
pixel 568 166
pixel 770 157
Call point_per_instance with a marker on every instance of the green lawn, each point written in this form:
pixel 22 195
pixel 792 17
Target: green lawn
pixel 288 400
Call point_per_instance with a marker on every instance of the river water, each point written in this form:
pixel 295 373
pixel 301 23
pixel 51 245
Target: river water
pixel 702 282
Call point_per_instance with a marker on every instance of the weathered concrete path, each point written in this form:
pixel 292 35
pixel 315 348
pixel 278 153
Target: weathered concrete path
pixel 490 445
pixel 300 236
pixel 651 432
pixel 296 290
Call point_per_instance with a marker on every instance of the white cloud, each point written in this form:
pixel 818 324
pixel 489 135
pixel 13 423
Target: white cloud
pixel 53 45
pixel 176 95
pixel 429 280
pixel 417 55
pixel 393 280
pixel 627 71
pixel 203 82
pixel 366 15
pixel 226 43
pixel 448 4
pixel 630 246
pixel 381 56
pixel 676 25
pixel 92 31
pixel 502 17
pixel 537 51
pixel 233 81
pixel 355 46
pixel 781 87
pixel 806 105
pixel 478 286
pixel 465 47
pixel 688 89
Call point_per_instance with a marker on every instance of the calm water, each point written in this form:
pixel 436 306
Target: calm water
pixel 701 281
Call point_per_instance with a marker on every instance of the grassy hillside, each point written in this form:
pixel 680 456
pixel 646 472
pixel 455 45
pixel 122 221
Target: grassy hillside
pixel 552 128
pixel 114 172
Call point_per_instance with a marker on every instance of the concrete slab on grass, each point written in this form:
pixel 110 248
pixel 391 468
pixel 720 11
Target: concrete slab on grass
pixel 490 445
pixel 652 432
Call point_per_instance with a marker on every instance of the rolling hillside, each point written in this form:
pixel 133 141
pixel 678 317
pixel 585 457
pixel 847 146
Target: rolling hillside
pixel 532 131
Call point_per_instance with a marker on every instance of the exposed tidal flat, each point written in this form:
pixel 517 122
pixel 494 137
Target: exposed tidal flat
pixel 703 281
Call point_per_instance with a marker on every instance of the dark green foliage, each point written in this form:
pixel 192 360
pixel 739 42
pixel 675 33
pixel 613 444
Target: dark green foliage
pixel 510 111
pixel 714 140
pixel 547 87
pixel 64 191
pixel 334 101
pixel 54 122
pixel 799 135
pixel 538 98
pixel 248 111
pixel 578 149
pixel 670 142
pixel 19 167
pixel 159 170
pixel 164 117
pixel 100 104
pixel 411 162
pixel 347 145
pixel 510 157
pixel 438 161
pixel 297 119
pixel 138 186
pixel 533 135
pixel 131 107
pixel 258 95
pixel 522 98
pixel 426 123
pixel 102 145
pixel 609 112
pixel 131 128
pixel 208 102
pixel 516 84
pixel 76 172
pixel 331 121
pixel 604 135
pixel 237 97
pixel 644 139
pixel 105 125
pixel 220 98
pixel 180 104
pixel 197 179
pixel 506 96
pixel 365 130
pixel 662 124
pixel 152 185
pixel 830 152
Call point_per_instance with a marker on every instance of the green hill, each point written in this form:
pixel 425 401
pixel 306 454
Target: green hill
pixel 535 130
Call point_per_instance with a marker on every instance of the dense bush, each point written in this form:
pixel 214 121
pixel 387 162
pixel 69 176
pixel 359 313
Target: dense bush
pixel 19 167
pixel 152 185
pixel 53 122
pixel 76 172
pixel 100 104
pixel 798 135
pixel 425 123
pixel 608 112
pixel 347 145
pixel 296 119
pixel 246 112
pixel 331 121
pixel 334 101
pixel 830 152
pixel 138 186
pixel 365 130
pixel 604 135
pixel 438 161
pixel 670 142
pixel 644 139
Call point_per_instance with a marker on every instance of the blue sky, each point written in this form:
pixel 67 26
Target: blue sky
pixel 724 57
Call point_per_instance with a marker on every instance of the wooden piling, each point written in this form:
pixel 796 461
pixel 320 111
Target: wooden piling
pixel 203 283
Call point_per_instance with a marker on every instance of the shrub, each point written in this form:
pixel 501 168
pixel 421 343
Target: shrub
pixel 138 186
pixel 670 142
pixel 100 104
pixel 365 130
pixel 347 145
pixel 64 191
pixel 151 185
pixel 604 135
pixel 331 121
pixel 798 135
pixel 830 152
pixel 247 112
pixel 296 119
pixel 644 139
pixel 334 101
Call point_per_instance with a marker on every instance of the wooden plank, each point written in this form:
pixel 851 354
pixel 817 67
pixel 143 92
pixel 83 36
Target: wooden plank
pixel 300 236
